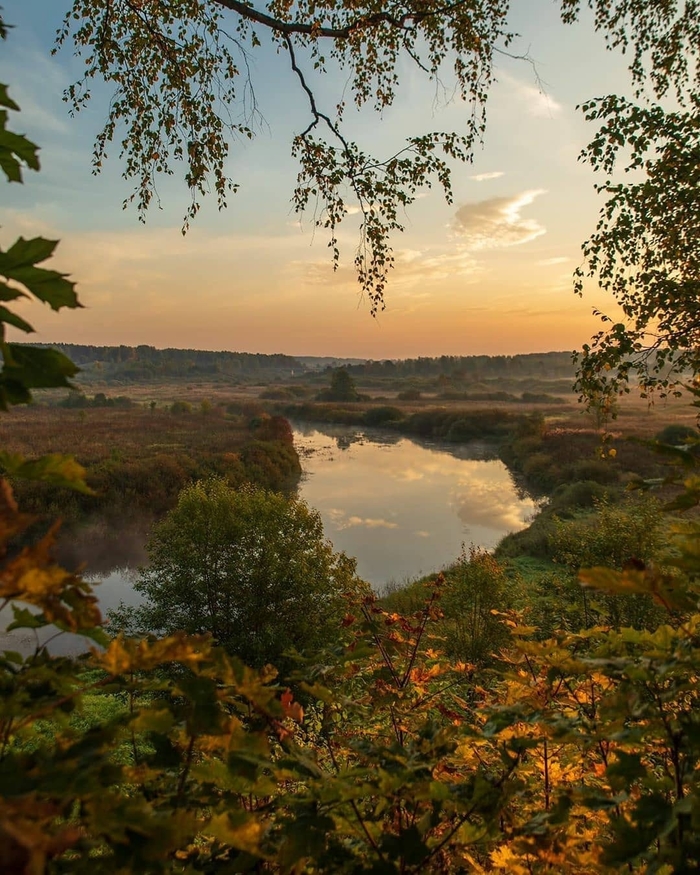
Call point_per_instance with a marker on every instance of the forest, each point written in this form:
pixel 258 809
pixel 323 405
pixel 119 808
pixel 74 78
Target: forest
pixel 530 710
pixel 123 364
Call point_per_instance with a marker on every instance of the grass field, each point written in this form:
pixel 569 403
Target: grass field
pixel 137 458
pixel 96 434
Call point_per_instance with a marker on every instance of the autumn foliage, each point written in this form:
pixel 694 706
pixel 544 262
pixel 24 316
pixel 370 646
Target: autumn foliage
pixel 577 753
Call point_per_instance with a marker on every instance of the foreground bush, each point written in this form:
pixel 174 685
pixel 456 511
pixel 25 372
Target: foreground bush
pixel 169 756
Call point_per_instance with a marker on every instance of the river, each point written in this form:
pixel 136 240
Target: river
pixel 403 507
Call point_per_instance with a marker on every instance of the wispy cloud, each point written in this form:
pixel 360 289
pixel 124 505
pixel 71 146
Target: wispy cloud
pixel 38 83
pixel 342 521
pixel 535 98
pixel 413 267
pixel 483 177
pixel 497 222
pixel 548 262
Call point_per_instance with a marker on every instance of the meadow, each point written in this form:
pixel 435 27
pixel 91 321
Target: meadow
pixel 140 457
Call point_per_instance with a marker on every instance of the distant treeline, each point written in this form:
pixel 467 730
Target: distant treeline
pixel 473 367
pixel 146 363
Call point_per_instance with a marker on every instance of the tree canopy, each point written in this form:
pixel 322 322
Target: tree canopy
pixel 248 566
pixel 342 387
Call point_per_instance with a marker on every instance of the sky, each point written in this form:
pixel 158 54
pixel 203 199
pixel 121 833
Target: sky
pixel 490 273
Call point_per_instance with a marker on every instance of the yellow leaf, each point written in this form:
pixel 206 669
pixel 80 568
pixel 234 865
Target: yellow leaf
pixel 237 829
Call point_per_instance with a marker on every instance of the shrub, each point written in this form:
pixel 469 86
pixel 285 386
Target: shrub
pixel 342 387
pixel 597 470
pixel 248 566
pixel 477 587
pixel 280 394
pixel 584 493
pixel 539 398
pixel 541 471
pixel 617 536
pixel 382 415
pixel 409 395
pixel 676 434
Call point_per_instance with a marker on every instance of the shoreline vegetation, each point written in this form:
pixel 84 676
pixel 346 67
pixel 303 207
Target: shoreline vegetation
pixel 144 445
pixel 138 458
pixel 140 450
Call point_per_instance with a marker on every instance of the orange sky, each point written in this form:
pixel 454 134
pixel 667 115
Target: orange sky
pixel 490 273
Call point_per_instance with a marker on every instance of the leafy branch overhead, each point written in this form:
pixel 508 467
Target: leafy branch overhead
pixel 183 92
pixel 25 367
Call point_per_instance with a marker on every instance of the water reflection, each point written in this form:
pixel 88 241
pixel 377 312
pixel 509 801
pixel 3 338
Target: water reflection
pixel 404 507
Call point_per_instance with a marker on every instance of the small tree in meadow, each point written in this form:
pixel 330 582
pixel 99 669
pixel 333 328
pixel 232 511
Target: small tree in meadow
pixel 251 567
pixel 342 387
pixel 477 586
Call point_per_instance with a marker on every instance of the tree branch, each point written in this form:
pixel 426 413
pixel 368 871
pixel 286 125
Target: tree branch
pixel 407 21
pixel 315 30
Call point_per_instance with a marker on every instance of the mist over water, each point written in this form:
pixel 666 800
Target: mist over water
pixel 100 545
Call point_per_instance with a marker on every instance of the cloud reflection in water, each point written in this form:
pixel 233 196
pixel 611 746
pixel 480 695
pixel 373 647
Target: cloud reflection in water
pixel 403 508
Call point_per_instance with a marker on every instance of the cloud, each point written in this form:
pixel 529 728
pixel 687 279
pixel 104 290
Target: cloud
pixel 413 268
pixel 342 521
pixel 497 222
pixel 547 262
pixel 408 475
pixel 537 101
pixel 481 504
pixel 482 177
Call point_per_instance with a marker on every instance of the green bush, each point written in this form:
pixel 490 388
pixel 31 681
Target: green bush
pixel 677 434
pixel 584 493
pixel 619 536
pixel 382 415
pixel 409 395
pixel 539 398
pixel 541 471
pixel 250 567
pixel 597 470
pixel 477 590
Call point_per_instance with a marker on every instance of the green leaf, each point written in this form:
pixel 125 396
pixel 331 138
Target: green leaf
pixel 26 619
pixel 28 367
pixel 13 392
pixel 38 368
pixel 7 293
pixel 625 770
pixel 16 321
pixel 5 99
pixel 50 286
pixel 54 468
pixel 16 151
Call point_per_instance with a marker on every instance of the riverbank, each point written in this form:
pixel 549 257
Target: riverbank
pixel 138 459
